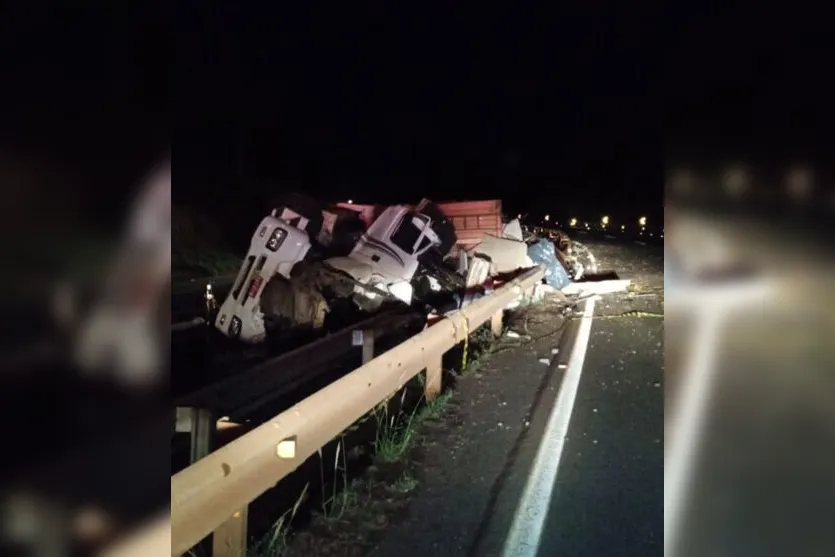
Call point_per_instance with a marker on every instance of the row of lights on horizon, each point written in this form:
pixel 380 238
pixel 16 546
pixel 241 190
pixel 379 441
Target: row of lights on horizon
pixel 605 221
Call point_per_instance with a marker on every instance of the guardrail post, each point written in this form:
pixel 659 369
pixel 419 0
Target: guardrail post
pixel 434 374
pixel 229 540
pixel 202 426
pixel 367 346
pixel 496 323
pixel 202 433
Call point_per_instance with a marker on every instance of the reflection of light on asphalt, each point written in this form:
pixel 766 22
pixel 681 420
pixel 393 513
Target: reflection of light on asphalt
pixel 710 306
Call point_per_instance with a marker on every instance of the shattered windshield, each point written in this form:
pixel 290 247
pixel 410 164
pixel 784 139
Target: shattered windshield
pixel 408 233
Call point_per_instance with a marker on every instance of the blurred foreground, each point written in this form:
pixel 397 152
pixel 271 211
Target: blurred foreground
pixel 84 374
pixel 750 401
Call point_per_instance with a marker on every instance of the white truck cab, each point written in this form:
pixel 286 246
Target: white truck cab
pixel 276 246
pixel 386 256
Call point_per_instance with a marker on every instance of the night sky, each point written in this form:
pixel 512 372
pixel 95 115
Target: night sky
pixel 546 111
pixel 575 110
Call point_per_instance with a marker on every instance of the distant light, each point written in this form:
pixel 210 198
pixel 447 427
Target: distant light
pixel 623 227
pixel 350 201
pixel 642 221
pixel 547 218
pixel 736 181
pixel 643 228
pixel 799 184
pixel 573 222
pixel 605 220
pixel 519 216
pixel 587 225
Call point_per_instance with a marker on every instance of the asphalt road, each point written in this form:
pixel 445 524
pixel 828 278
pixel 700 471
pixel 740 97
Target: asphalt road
pixel 607 498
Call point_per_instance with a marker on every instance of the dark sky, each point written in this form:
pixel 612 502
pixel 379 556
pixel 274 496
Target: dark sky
pixel 85 85
pixel 575 109
pixel 541 109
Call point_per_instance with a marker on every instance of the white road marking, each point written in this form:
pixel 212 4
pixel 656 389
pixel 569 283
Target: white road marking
pixel 523 539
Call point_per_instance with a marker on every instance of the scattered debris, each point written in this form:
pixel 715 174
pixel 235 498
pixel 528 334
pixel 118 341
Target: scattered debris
pixel 513 230
pixel 596 288
pixel 544 253
pixel 506 255
pixel 512 334
pixel 545 361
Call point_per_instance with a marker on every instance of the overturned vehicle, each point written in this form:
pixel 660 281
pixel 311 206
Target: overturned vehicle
pixel 574 256
pixel 300 269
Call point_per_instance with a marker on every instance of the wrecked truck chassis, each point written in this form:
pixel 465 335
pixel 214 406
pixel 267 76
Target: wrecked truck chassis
pixel 312 293
pixel 319 296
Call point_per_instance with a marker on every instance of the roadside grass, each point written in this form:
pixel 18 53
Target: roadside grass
pixel 201 243
pixel 276 541
pixel 368 504
pixel 478 350
pixel 435 408
pixel 405 483
pixel 394 435
pixel 204 262
pixel 340 500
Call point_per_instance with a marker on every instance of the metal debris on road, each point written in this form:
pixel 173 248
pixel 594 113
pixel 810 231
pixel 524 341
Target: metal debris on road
pixel 543 252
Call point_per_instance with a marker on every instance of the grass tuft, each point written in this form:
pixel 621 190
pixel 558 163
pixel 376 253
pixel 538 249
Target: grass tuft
pixel 275 543
pixel 405 483
pixel 394 438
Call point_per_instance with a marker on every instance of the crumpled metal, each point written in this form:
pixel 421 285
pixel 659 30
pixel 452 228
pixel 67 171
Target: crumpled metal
pixel 543 253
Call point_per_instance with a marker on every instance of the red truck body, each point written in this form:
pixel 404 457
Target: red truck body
pixel 472 220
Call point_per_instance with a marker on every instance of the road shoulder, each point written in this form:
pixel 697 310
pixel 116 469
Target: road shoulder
pixel 460 459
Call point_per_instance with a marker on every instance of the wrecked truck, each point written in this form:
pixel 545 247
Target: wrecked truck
pixel 279 286
pixel 574 256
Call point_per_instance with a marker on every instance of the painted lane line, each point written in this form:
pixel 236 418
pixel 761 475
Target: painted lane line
pixel 523 539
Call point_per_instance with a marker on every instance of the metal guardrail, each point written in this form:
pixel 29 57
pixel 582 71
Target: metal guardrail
pixel 213 494
pixel 240 394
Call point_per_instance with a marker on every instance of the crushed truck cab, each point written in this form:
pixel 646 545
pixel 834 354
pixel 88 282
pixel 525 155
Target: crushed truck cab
pixel 386 257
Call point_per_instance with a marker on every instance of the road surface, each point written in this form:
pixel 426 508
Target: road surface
pixel 487 485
